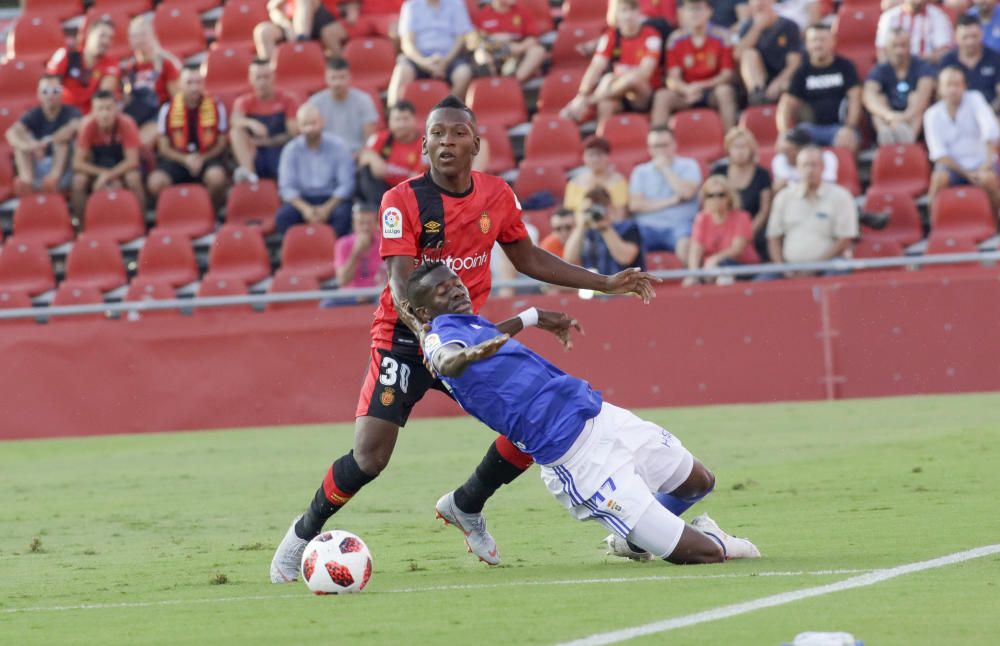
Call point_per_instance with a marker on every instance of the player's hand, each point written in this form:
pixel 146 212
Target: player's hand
pixel 559 324
pixel 486 349
pixel 632 281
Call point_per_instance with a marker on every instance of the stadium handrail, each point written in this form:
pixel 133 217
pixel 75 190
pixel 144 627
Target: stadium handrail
pixel 373 292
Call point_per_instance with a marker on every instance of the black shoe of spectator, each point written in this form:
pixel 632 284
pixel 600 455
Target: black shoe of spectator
pixel 758 97
pixel 875 221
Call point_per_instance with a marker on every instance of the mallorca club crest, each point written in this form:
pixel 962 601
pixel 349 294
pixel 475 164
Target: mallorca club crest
pixel 485 223
pixel 388 396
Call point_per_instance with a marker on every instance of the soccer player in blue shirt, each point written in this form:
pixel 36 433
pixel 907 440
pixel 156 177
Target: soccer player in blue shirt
pixel 601 462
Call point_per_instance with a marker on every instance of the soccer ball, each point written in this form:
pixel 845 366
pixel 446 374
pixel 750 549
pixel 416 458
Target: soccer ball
pixel 336 562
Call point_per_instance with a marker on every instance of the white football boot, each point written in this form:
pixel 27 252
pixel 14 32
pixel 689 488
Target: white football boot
pixel 735 548
pixel 618 546
pixel 288 557
pixel 477 539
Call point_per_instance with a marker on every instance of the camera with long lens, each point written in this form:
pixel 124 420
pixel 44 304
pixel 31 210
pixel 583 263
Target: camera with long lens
pixel 596 213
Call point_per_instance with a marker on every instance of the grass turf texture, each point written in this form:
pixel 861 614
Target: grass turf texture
pixel 181 526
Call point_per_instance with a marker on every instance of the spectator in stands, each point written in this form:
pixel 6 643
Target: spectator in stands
pixel 980 64
pixel 432 36
pixel 41 141
pixel 962 136
pixel 107 153
pixel 598 171
pixel 812 220
pixel 150 77
pixel 659 14
pixel 928 25
pixel 193 138
pixel 699 67
pixel 625 70
pixel 292 20
pixel 768 52
pixel 989 19
pixel 898 91
pixel 729 13
pixel 85 71
pixel 784 171
pixel 356 256
pixel 263 121
pixel 315 177
pixel 391 156
pixel 347 111
pixel 723 233
pixel 662 194
pixel 751 180
pixel 827 89
pixel 506 41
pixel 603 238
pixel 561 223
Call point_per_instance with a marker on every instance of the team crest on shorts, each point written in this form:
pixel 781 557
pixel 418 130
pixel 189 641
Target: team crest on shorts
pixel 388 396
pixel 485 224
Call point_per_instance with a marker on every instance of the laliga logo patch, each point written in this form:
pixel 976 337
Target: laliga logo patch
pixel 392 223
pixel 431 343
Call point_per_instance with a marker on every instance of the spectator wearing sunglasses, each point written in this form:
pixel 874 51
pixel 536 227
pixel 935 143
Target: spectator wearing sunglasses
pixel 722 233
pixel 561 223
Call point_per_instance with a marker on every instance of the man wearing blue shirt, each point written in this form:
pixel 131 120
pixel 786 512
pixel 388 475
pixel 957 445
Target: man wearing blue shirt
pixel 603 239
pixel 601 462
pixel 986 12
pixel 980 64
pixel 898 91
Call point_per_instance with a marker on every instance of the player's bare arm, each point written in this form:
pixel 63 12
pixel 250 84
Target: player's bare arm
pixel 452 360
pixel 558 323
pixel 399 269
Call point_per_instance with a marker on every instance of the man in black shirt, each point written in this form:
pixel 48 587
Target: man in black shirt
pixel 768 52
pixel 898 91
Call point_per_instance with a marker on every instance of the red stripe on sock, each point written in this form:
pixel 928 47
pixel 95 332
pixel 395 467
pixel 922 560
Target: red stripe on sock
pixel 512 454
pixel 333 493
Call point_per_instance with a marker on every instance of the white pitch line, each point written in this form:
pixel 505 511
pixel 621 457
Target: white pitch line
pixel 432 588
pixel 724 612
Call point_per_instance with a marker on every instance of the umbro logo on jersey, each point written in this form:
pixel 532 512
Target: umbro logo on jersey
pixel 433 226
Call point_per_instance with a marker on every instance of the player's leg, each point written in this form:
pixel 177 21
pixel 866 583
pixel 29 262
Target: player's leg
pixel 696 486
pixel 665 536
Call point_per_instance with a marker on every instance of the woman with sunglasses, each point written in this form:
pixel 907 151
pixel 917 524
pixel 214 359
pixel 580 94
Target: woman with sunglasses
pixel 722 232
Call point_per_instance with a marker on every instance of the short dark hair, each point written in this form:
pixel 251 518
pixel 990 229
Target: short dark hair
pixel 414 284
pixel 337 64
pixel 562 212
pixel 50 77
pixel 191 67
pixel 819 26
pixel 101 95
pixel 452 102
pixel 965 20
pixel 403 106
pixel 593 142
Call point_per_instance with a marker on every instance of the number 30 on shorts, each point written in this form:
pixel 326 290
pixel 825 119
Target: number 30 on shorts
pixel 393 371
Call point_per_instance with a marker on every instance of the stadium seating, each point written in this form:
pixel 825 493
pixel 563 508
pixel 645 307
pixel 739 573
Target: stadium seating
pixel 167 257
pixel 185 209
pixel 285 282
pixel 8 115
pixel 962 212
pixel 877 249
pixel 534 177
pixel 424 95
pixel 239 253
pixel 589 13
pixel 121 48
pixel 96 261
pixel 144 289
pixel 937 246
pixel 179 30
pixel 226 73
pixel 19 80
pixel 904 226
pixel 43 218
pixel 300 67
pixel 627 134
pixel 761 121
pixel 855 30
pixel 372 61
pixel 699 134
pixel 564 54
pixel 308 250
pixel 198 6
pixel 662 261
pixel 901 168
pixel 54 9
pixel 847 169
pixel 553 140
pixel 35 38
pixel 501 152
pixel 25 266
pixel 131 7
pixel 497 100
pixel 558 89
pixel 72 293
pixel 213 286
pixel 6 177
pixel 114 213
pixel 14 299
pixel 253 204
pixel 236 24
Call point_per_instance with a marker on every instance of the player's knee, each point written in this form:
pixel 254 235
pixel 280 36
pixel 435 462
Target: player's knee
pixel 698 485
pixel 372 460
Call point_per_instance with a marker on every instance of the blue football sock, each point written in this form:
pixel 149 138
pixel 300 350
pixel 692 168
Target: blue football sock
pixel 677 505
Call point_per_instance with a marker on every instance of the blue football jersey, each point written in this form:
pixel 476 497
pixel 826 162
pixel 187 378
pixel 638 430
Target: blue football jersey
pixel 516 392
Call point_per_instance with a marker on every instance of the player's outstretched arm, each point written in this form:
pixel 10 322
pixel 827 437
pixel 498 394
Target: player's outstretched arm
pixel 558 323
pixel 541 265
pixel 451 360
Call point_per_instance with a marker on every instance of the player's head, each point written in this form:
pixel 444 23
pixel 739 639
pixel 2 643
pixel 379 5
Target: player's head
pixel 433 289
pixel 451 138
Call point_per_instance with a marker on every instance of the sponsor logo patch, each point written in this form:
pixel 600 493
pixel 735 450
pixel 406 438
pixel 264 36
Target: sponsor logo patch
pixel 431 343
pixel 392 223
pixel 388 396
pixel 432 226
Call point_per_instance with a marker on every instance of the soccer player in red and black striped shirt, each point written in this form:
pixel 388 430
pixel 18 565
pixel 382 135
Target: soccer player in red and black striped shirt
pixel 454 215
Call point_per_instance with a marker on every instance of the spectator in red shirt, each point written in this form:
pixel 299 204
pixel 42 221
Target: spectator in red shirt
pixel 293 20
pixel 390 156
pixel 263 121
pixel 107 153
pixel 506 41
pixel 562 222
pixel 151 77
pixel 83 72
pixel 722 232
pixel 632 51
pixel 356 255
pixel 699 68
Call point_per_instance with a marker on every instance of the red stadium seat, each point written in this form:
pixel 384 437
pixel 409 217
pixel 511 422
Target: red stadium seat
pixel 14 299
pixel 761 120
pixel 199 6
pixel 35 38
pixel 847 169
pixel 902 169
pixel 179 30
pixel 25 266
pixel 285 282
pixel 236 24
pixel 372 61
pixel 72 293
pixel 627 134
pixel 239 253
pixel 213 286
pixel 534 177
pixel 6 177
pixel 226 71
pixel 167 257
pixel 121 48
pixel 497 100
pixel 43 218
pixel 253 204
pixel 662 261
pixel 950 244
pixel 501 152
pixel 131 7
pixel 19 80
pixel 300 67
pixel 424 95
pixel 114 213
pixel 877 249
pixel 8 115
pixel 185 209
pixel 558 89
pixel 585 12
pixel 308 250
pixel 962 212
pixel 554 140
pixel 54 9
pixel 904 226
pixel 699 134
pixel 146 289
pixel 855 31
pixel 564 54
pixel 96 261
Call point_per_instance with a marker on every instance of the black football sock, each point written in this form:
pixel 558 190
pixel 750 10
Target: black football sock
pixel 491 474
pixel 343 479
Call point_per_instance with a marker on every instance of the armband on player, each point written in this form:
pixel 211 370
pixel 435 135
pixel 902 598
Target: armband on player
pixel 529 317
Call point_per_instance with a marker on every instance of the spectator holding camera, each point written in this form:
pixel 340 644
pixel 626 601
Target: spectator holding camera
pixel 603 238
pixel 723 232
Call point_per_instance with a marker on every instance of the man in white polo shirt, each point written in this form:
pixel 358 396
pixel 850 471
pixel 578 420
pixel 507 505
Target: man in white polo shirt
pixel 928 25
pixel 962 135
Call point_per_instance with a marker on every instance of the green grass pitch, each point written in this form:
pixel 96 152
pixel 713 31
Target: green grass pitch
pixel 167 538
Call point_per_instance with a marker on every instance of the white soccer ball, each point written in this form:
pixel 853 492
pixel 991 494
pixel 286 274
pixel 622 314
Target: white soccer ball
pixel 336 562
